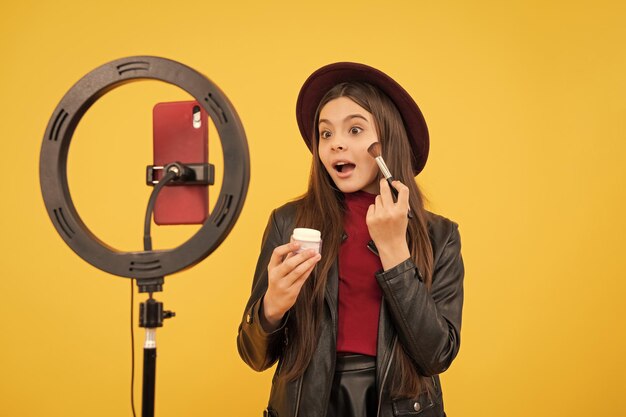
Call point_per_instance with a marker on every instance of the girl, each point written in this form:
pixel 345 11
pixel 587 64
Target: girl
pixel 365 328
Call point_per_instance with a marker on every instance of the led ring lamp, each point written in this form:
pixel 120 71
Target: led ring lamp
pixel 53 168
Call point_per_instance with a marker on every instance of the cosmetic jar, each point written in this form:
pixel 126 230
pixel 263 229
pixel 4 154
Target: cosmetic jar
pixel 308 239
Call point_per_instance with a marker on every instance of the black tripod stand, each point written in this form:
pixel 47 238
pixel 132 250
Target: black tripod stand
pixel 151 316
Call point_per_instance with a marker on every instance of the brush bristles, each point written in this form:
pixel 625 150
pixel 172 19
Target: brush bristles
pixel 374 149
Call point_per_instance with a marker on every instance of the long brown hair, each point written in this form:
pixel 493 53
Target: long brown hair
pixel 322 208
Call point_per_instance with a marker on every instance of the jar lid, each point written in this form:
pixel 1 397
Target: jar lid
pixel 309 235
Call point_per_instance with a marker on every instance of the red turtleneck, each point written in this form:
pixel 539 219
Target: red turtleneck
pixel 359 293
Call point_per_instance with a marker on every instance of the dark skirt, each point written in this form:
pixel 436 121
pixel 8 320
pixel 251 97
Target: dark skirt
pixel 353 393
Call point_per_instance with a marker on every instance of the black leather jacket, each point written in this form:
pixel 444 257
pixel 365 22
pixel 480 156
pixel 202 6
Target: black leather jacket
pixel 428 324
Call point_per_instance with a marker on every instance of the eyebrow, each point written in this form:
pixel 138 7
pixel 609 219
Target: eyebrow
pixel 349 117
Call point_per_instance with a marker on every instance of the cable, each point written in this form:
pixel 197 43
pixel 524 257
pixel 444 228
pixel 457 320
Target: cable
pixel 147 245
pixel 147 240
pixel 132 349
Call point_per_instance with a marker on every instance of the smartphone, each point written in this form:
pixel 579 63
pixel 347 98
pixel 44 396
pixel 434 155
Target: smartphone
pixel 180 134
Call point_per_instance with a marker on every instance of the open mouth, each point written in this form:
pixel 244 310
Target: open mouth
pixel 344 167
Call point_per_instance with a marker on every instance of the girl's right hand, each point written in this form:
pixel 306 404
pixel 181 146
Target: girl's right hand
pixel 286 274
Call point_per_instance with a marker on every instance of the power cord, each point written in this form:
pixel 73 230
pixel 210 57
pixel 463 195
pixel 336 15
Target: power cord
pixel 170 175
pixel 132 348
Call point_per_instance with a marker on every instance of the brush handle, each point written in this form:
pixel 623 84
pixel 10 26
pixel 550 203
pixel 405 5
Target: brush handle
pixel 395 194
pixel 393 189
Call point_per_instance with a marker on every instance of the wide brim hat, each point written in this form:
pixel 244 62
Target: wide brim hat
pixel 325 78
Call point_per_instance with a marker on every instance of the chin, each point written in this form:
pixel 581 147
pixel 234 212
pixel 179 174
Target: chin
pixel 348 188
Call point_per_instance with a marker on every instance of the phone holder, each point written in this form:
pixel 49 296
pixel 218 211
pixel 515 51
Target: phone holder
pixel 187 174
pixel 53 168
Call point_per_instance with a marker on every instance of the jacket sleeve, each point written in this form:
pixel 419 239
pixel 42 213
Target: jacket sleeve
pixel 258 348
pixel 428 323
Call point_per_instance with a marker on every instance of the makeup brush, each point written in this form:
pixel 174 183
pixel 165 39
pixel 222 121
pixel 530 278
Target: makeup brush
pixel 376 152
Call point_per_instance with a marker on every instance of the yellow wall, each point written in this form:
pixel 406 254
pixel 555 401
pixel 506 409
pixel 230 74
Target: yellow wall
pixel 526 106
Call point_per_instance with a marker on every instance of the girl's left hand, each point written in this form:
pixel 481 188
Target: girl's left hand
pixel 387 223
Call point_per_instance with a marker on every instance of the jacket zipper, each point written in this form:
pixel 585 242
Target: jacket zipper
pixel 332 372
pixel 382 384
pixel 298 396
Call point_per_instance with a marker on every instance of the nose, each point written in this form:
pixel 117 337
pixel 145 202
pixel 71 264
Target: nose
pixel 338 143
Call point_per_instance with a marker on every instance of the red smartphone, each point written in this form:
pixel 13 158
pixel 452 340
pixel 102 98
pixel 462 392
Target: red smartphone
pixel 180 134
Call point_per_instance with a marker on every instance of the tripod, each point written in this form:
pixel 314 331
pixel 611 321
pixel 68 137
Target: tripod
pixel 151 316
pixel 148 267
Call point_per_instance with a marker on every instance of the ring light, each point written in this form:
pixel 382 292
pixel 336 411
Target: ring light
pixel 53 168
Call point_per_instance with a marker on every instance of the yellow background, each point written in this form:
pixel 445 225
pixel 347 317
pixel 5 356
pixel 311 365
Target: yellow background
pixel 526 105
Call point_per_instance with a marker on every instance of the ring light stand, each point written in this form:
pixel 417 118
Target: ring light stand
pixel 149 267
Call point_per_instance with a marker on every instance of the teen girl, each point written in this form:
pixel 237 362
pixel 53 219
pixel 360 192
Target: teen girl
pixel 365 328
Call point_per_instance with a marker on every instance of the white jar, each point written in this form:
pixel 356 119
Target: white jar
pixel 308 239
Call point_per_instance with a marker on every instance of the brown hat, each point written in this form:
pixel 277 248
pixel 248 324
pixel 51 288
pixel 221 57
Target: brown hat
pixel 325 78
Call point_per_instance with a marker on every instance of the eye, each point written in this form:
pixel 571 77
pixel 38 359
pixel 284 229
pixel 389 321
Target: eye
pixel 325 134
pixel 355 130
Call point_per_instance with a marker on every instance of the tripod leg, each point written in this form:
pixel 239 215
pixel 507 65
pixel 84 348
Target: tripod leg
pixel 149 373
